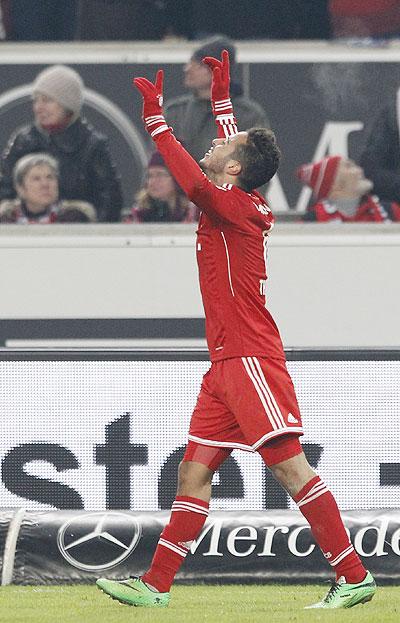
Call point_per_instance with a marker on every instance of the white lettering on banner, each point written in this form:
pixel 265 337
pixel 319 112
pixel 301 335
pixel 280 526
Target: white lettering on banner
pixel 333 142
pixel 378 550
pixel 270 532
pixel 395 542
pixel 72 429
pixel 292 542
pixel 235 536
pixel 215 528
pixel 222 539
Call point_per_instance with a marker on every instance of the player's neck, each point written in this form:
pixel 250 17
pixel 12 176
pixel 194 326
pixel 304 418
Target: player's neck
pixel 222 178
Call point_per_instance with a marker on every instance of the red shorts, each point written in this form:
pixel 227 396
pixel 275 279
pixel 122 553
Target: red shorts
pixel 245 402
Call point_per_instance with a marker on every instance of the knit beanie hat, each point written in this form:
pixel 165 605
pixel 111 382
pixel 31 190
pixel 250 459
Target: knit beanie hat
pixel 319 175
pixel 62 84
pixel 214 47
pixel 156 160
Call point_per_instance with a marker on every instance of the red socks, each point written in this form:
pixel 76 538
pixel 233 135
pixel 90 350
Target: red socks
pixel 188 516
pixel 315 501
pixel 318 506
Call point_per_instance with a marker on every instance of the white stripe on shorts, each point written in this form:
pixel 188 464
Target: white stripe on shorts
pixel 266 403
pixel 267 388
pixel 259 381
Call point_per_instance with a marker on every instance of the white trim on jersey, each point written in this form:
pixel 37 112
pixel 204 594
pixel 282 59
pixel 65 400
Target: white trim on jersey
pixel 228 263
pixel 265 253
pixel 228 125
pixel 173 547
pixel 223 104
pixel 339 557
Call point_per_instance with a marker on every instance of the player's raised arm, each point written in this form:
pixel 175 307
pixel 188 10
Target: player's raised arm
pixel 220 95
pixel 182 166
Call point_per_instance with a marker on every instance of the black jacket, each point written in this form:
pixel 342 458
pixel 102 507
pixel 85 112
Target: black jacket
pixel 381 157
pixel 87 172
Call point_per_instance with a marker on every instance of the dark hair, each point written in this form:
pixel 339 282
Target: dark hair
pixel 259 157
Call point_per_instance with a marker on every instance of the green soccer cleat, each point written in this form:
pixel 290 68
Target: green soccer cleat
pixel 133 592
pixel 343 595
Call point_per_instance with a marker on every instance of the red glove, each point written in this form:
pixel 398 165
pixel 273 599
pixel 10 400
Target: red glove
pixel 152 104
pixel 220 100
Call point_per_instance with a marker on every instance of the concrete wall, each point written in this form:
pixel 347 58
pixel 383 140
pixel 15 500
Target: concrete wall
pixel 329 286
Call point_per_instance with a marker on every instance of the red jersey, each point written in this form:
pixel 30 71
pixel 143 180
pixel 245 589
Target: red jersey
pixel 231 256
pixel 231 253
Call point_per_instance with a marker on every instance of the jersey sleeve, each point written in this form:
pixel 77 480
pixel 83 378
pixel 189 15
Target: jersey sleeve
pixel 224 118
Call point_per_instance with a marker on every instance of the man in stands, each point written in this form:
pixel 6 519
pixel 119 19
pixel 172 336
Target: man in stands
pixel 191 116
pixel 247 399
pixel 342 193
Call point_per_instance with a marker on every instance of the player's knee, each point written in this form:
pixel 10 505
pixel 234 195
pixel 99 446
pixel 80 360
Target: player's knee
pixel 294 473
pixel 193 475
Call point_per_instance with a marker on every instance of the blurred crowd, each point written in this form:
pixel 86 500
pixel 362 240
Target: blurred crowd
pixel 49 20
pixel 59 168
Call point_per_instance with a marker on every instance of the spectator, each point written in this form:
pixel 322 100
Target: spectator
pixel 365 18
pixel 36 183
pixel 45 20
pixel 87 172
pixel 381 156
pixel 161 200
pixel 342 194
pixel 191 115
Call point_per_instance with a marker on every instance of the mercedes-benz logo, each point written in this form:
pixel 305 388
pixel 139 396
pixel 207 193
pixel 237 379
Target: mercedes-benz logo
pixel 97 541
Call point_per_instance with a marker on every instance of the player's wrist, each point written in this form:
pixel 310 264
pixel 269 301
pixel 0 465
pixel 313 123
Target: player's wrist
pixel 222 106
pixel 156 124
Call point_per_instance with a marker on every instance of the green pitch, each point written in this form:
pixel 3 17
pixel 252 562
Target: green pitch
pixel 191 604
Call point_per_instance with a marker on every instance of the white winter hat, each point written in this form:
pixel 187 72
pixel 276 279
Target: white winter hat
pixel 62 84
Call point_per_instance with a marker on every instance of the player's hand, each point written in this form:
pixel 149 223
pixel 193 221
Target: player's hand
pixel 220 76
pixel 152 93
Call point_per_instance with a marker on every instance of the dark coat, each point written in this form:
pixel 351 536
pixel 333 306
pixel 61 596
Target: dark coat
pixel 193 122
pixel 87 172
pixel 381 157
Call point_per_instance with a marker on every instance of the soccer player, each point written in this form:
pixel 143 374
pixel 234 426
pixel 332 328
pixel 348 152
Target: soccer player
pixel 247 399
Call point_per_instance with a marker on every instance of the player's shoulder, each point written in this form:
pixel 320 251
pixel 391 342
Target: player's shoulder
pixel 253 200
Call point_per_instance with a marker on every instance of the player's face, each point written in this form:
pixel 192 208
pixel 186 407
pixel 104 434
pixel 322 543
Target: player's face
pixel 221 152
pixel 39 189
pixel 160 183
pixel 350 179
pixel 47 111
pixel 197 76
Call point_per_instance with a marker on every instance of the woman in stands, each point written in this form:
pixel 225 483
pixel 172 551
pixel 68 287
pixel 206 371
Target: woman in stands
pixel 35 179
pixel 161 200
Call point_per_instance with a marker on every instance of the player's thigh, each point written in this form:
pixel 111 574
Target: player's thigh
pixel 212 422
pixel 261 395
